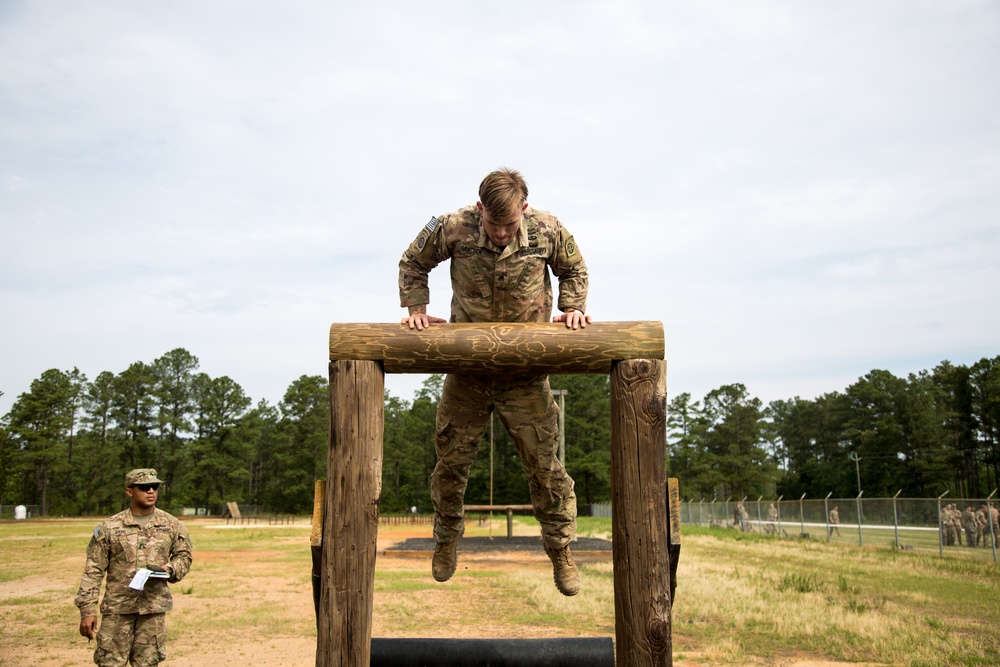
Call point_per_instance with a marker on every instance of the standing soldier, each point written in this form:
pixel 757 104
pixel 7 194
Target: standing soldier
pixel 834 521
pixel 772 518
pixel 956 524
pixel 946 535
pixel 501 251
pixel 969 523
pixel 133 626
pixel 982 526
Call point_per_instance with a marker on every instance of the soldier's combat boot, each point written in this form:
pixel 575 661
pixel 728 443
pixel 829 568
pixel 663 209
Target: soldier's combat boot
pixel 445 560
pixel 564 571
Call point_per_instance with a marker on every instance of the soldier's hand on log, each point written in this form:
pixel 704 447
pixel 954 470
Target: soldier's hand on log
pixel 88 626
pixel 421 321
pixel 574 319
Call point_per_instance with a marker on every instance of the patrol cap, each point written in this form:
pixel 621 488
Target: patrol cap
pixel 142 476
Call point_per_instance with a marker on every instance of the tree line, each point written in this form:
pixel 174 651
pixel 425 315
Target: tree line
pixel 66 443
pixel 922 435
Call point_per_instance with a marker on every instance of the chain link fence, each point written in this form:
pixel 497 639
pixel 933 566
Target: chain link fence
pixel 19 511
pixel 926 524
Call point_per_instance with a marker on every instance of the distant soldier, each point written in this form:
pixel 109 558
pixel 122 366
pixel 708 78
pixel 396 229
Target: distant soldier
pixel 956 523
pixel 738 517
pixel 772 518
pixel 746 517
pixel 834 522
pixel 133 626
pixel 982 526
pixel 969 523
pixel 947 537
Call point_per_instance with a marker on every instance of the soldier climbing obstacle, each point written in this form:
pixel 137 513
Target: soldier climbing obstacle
pixel 500 252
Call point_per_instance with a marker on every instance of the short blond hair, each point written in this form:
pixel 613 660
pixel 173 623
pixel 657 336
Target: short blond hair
pixel 503 192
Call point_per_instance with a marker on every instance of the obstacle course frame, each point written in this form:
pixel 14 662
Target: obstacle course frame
pixel 633 354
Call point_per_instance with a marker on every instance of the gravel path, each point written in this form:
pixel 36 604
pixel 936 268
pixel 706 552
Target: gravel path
pixel 503 544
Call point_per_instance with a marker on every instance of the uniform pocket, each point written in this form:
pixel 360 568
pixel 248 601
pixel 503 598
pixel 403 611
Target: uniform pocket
pixel 123 550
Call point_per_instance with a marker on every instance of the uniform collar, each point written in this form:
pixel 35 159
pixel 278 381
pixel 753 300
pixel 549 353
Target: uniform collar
pixel 131 520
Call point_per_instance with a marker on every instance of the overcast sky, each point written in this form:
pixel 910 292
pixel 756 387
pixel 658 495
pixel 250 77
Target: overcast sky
pixel 800 192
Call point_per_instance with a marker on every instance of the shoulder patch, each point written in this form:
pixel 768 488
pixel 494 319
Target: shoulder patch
pixel 426 232
pixel 97 532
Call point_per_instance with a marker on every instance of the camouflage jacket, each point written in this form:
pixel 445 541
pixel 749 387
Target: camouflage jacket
pixel 491 284
pixel 119 547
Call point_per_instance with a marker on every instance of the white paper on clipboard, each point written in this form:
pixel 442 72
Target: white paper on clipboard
pixel 144 574
pixel 139 580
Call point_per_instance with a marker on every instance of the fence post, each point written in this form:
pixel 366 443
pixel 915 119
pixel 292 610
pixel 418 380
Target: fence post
pixel 700 518
pixel 826 513
pixel 895 517
pixel 941 526
pixel 760 523
pixel 777 505
pixel 802 519
pixel 860 539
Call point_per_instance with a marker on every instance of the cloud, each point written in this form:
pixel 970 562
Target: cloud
pixel 799 192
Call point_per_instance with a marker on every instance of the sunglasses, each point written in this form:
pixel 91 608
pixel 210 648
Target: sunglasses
pixel 147 487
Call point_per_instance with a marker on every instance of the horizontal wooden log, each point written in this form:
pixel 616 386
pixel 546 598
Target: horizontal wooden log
pixel 498 347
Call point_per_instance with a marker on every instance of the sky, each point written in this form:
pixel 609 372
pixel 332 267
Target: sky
pixel 800 192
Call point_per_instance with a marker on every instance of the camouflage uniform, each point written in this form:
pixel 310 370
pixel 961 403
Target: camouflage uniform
pixel 971 530
pixel 834 522
pixel 956 524
pixel 133 625
pixel 947 537
pixel 492 284
pixel 982 527
pixel 772 519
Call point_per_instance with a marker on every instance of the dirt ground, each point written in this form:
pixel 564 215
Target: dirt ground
pixel 201 646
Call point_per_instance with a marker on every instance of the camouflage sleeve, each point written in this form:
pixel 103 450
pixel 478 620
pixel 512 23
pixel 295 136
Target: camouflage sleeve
pixel 427 251
pixel 180 554
pixel 568 266
pixel 93 573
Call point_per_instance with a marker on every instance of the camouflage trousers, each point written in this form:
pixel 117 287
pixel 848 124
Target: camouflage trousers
pixel 531 417
pixel 139 638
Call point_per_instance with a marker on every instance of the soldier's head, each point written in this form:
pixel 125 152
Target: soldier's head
pixel 503 199
pixel 142 486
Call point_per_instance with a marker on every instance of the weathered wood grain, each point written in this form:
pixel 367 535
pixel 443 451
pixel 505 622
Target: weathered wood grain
pixel 497 347
pixel 350 530
pixel 639 513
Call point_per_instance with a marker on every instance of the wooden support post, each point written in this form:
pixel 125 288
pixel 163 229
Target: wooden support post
pixel 350 526
pixel 639 513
